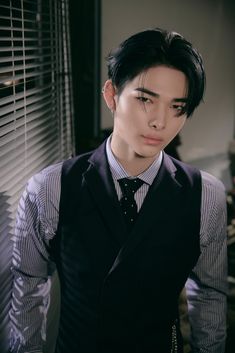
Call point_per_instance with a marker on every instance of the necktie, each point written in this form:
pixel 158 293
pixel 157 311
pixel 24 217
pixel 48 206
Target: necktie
pixel 127 202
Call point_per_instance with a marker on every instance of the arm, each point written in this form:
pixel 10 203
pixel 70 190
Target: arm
pixel 36 224
pixel 207 286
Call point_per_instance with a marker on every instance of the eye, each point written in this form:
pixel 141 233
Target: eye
pixel 179 108
pixel 144 99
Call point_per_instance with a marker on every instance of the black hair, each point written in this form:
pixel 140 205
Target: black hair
pixel 155 47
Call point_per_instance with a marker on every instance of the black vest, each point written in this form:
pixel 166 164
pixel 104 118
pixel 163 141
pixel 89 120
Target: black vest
pixel 119 291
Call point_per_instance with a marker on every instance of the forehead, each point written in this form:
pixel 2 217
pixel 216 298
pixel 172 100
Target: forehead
pixel 161 80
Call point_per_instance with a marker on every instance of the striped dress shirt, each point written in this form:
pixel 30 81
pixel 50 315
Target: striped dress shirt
pixel 36 225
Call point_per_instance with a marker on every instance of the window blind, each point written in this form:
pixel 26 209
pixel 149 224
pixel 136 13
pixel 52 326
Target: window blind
pixel 36 111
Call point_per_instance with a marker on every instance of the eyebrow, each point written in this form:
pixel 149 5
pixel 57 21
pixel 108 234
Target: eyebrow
pixel 154 94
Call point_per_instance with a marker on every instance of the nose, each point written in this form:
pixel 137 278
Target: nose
pixel 158 120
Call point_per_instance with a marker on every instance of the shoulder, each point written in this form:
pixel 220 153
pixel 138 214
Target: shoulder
pixel 213 206
pixel 213 210
pixel 213 196
pixel 209 182
pixel 186 174
pixel 45 177
pixel 42 192
pixel 50 173
pixel 178 166
pixel 213 189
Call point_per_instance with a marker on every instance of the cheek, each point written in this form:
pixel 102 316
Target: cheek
pixel 127 104
pixel 127 114
pixel 180 124
pixel 175 128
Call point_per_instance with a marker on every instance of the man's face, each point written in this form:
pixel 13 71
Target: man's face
pixel 146 113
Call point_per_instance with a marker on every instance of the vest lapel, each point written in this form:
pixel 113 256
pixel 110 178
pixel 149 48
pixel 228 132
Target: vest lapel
pixel 100 183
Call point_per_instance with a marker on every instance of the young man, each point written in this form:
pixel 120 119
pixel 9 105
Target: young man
pixel 124 252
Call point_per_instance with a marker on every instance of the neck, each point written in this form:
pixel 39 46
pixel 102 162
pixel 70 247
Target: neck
pixel 134 164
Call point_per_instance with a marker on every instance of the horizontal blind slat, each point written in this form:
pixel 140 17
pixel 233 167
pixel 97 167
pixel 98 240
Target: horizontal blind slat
pixel 35 105
pixel 15 58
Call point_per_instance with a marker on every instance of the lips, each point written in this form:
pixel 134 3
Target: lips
pixel 152 140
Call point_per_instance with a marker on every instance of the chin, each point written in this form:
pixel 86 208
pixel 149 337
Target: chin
pixel 145 154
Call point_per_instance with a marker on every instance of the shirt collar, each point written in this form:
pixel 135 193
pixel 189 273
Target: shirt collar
pixel 118 172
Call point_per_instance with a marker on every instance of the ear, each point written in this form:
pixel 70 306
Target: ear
pixel 109 93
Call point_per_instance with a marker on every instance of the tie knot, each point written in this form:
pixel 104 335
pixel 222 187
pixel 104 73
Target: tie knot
pixel 130 186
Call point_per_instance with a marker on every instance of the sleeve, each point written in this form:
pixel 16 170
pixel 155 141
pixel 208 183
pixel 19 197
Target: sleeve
pixel 206 287
pixel 30 266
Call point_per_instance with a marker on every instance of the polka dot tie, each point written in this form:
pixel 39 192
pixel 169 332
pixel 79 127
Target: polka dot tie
pixel 128 204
